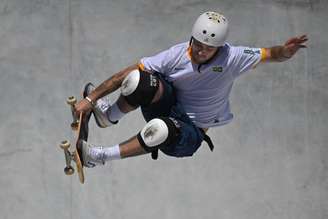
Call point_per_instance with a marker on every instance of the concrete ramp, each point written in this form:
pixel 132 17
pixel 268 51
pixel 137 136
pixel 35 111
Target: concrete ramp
pixel 270 162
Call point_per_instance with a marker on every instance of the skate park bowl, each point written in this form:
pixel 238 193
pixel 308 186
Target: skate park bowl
pixel 270 162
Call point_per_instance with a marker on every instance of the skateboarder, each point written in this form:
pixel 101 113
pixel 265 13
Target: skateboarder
pixel 182 92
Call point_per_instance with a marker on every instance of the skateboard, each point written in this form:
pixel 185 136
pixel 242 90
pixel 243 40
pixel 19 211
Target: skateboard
pixel 80 125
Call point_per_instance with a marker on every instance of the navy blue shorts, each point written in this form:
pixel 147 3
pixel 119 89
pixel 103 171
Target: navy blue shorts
pixel 190 138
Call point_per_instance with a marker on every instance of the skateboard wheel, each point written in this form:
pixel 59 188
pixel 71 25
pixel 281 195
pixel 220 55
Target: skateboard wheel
pixel 71 100
pixel 69 170
pixel 74 125
pixel 65 145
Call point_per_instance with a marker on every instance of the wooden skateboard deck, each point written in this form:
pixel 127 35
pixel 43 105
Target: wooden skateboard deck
pixel 80 125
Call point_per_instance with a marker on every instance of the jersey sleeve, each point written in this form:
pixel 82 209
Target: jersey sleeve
pixel 161 62
pixel 244 59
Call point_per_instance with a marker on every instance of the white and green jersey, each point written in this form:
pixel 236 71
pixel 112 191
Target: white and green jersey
pixel 205 94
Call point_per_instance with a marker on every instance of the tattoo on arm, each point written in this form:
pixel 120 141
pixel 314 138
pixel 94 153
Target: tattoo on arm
pixel 112 84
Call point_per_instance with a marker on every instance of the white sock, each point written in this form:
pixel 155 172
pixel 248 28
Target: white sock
pixel 115 113
pixel 112 153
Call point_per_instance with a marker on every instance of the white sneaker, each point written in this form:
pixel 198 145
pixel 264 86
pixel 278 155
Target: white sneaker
pixel 91 156
pixel 102 108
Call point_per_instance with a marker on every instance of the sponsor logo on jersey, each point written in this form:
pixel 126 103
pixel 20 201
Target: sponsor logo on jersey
pixel 178 69
pixel 217 68
pixel 251 52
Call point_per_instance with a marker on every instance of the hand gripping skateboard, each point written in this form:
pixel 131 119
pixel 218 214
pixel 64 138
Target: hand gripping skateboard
pixel 80 125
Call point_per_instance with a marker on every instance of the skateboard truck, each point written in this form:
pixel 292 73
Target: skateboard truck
pixel 69 170
pixel 69 156
pixel 72 101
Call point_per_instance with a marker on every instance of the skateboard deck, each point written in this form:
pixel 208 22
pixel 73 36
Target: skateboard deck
pixel 80 125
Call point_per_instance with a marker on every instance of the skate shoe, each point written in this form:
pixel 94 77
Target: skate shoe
pixel 91 156
pixel 101 109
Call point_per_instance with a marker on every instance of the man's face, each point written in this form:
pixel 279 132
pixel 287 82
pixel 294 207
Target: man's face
pixel 201 53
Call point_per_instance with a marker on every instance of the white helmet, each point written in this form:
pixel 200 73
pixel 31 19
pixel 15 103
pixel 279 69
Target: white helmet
pixel 211 28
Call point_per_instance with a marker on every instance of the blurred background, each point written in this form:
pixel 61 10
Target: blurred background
pixel 270 162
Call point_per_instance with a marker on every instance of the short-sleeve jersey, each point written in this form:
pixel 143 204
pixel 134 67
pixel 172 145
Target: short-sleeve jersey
pixel 204 93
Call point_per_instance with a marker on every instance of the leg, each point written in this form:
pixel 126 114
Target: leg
pixel 156 134
pixel 131 148
pixel 160 95
pixel 125 107
pixel 139 89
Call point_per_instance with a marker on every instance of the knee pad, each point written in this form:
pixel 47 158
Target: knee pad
pixel 158 133
pixel 139 88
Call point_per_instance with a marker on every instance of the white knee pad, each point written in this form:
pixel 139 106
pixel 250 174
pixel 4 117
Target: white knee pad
pixel 130 83
pixel 158 133
pixel 139 88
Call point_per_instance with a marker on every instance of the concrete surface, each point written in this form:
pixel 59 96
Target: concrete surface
pixel 270 162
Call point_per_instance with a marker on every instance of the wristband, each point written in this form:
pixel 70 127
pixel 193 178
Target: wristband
pixel 90 101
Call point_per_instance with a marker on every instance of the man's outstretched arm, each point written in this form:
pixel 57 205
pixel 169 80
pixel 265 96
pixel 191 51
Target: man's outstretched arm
pixel 108 86
pixel 284 52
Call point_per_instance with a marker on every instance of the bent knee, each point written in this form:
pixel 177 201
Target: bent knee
pixel 141 88
pixel 158 133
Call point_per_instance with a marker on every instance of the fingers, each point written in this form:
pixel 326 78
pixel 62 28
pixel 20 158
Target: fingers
pixel 294 44
pixel 290 41
pixel 77 109
pixel 303 37
pixel 82 106
pixel 297 40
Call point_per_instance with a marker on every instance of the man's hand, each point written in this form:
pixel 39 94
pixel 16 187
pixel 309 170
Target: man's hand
pixel 293 45
pixel 286 51
pixel 82 106
pixel 108 86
